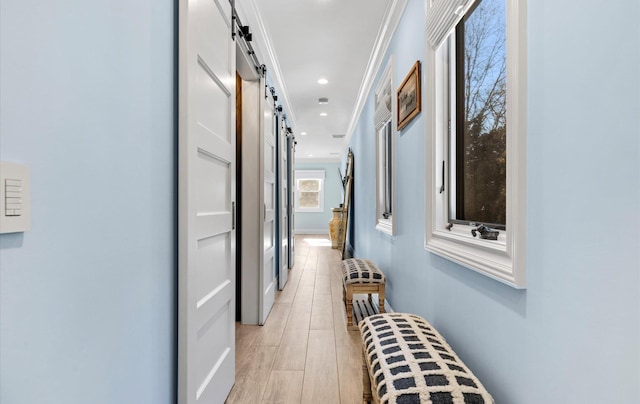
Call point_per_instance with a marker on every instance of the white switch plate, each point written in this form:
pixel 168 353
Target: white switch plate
pixel 14 177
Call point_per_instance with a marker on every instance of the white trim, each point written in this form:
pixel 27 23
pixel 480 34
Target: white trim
pixel 265 52
pixel 303 160
pixel 311 231
pixel 383 40
pixel 385 226
pixel 310 174
pixel 504 259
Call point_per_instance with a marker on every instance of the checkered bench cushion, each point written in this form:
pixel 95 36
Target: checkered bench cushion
pixel 411 363
pixel 356 270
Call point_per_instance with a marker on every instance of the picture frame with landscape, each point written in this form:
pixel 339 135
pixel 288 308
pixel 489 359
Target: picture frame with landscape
pixel 409 97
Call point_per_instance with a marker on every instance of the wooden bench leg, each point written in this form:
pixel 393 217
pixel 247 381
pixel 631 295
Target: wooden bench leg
pixel 366 382
pixel 344 294
pixel 349 308
pixel 381 297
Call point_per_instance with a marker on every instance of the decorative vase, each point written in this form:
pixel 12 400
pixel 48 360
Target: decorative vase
pixel 335 227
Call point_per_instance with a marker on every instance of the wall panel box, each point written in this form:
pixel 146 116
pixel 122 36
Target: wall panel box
pixel 15 200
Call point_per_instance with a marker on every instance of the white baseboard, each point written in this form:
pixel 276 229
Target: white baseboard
pixel 374 299
pixel 311 231
pixel 387 307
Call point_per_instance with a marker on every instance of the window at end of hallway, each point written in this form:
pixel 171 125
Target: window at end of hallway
pixel 309 188
pixel 475 67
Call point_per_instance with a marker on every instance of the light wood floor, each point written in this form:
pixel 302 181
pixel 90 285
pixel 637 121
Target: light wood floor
pixel 303 353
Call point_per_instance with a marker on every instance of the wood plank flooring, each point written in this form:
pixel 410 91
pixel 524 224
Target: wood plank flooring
pixel 304 352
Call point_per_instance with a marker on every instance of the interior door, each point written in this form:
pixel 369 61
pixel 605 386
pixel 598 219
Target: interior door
pixel 268 281
pixel 291 199
pixel 283 234
pixel 206 185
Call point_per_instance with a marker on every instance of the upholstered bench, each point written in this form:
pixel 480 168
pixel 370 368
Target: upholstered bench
pixel 407 361
pixel 361 277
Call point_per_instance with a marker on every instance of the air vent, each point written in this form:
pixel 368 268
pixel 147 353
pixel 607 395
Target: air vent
pixel 337 136
pixel 323 100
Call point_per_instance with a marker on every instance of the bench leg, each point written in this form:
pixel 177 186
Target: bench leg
pixel 381 297
pixel 344 294
pixel 366 382
pixel 349 303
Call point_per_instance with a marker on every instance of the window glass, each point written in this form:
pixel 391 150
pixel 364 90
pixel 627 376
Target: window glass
pixel 388 176
pixel 479 144
pixel 384 124
pixel 309 190
pixel 309 194
pixel 309 185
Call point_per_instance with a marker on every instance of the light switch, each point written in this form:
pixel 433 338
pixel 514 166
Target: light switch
pixel 14 198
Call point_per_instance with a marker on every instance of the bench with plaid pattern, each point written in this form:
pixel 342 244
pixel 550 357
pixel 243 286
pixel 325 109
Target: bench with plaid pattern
pixel 407 361
pixel 360 276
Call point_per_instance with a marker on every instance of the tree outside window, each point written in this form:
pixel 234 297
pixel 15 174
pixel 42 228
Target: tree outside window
pixel 480 145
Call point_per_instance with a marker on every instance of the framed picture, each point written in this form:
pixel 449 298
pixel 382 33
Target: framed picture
pixel 409 104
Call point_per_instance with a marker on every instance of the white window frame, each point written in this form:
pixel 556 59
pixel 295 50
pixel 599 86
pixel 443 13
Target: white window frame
pixel 503 259
pixel 385 224
pixel 310 175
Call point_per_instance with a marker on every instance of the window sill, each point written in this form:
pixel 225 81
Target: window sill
pixel 301 210
pixel 488 257
pixel 385 226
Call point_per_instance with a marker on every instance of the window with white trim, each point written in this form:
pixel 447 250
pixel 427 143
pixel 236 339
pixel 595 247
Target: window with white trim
pixel 309 190
pixel 383 116
pixel 475 65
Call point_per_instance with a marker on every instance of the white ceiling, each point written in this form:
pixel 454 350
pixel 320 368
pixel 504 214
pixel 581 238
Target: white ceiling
pixel 302 41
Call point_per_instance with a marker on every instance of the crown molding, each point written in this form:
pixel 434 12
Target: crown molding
pixel 393 14
pixel 265 52
pixel 316 160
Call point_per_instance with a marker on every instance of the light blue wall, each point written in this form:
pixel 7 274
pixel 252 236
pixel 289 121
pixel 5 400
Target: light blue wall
pixel 88 295
pixel 319 221
pixel 573 335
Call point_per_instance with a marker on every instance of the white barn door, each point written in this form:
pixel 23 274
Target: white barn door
pixel 291 214
pixel 283 235
pixel 267 278
pixel 206 211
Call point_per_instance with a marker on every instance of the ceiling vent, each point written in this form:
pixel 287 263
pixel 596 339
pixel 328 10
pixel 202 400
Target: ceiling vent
pixel 323 100
pixel 338 136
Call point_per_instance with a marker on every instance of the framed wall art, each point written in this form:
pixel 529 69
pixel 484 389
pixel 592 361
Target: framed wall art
pixel 409 95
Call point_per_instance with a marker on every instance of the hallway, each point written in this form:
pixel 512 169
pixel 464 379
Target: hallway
pixel 304 353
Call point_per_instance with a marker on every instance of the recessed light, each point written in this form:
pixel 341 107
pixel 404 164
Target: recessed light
pixel 310 155
pixel 323 114
pixel 323 81
pixel 303 133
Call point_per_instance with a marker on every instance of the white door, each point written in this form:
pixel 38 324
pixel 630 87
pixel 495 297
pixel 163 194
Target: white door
pixel 282 206
pixel 206 185
pixel 291 142
pixel 267 278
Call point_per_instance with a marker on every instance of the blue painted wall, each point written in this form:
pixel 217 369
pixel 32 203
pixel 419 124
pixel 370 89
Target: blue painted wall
pixel 573 335
pixel 319 221
pixel 88 295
